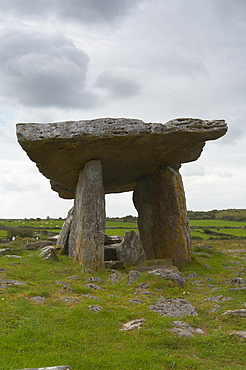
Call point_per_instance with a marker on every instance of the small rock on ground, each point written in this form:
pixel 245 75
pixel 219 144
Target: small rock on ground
pixel 240 312
pixel 133 276
pixel 114 277
pixel 239 333
pixel 183 329
pixel 173 307
pixel 133 324
pixel 93 286
pixel 94 308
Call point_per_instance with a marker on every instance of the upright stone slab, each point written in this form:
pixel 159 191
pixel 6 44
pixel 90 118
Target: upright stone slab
pixel 86 239
pixel 162 216
pixel 63 238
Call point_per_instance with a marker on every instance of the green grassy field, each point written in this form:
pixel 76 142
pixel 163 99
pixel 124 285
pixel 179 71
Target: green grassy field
pixel 217 223
pixel 61 329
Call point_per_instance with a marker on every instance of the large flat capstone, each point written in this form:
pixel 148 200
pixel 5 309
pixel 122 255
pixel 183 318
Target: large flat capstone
pixel 128 149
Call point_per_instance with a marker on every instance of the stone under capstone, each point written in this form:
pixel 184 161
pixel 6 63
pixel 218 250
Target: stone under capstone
pixel 86 159
pixel 128 149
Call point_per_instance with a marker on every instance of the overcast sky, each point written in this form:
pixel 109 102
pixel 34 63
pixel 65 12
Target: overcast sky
pixel 153 60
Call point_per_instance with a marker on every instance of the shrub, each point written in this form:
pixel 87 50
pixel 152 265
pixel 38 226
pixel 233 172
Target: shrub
pixel 22 232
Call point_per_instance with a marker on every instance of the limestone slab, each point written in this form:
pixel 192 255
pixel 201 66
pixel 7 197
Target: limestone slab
pixel 128 149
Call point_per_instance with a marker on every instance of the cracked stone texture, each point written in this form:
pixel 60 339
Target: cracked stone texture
pixel 173 307
pixel 128 149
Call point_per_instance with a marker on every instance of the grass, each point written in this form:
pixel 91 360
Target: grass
pixel 56 332
pixel 217 223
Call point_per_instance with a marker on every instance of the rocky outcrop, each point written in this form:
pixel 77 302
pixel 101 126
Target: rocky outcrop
pixel 128 149
pixel 162 216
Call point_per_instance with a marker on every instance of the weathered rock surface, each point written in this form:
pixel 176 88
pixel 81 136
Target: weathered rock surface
pixel 63 238
pixel 94 308
pixel 128 149
pixel 133 324
pixel 241 312
pixel 4 251
pixel 133 276
pixel 173 307
pixel 9 282
pixel 239 333
pixel 48 253
pixel 86 238
pixel 169 274
pixel 183 329
pixel 162 216
pixel 131 250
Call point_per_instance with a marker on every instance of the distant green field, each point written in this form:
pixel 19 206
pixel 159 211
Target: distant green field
pixel 120 224
pixel 119 227
pixel 216 223
pixel 32 223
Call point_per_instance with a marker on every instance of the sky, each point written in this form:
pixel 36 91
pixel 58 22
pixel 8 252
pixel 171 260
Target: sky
pixel 153 60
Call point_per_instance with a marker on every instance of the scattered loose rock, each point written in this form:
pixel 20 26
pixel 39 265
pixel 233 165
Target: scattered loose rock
pixel 93 286
pixel 8 282
pixel 94 308
pixel 92 297
pixel 114 277
pixel 38 299
pixel 240 312
pixel 48 253
pixel 142 286
pixel 4 250
pixel 218 298
pixel 69 299
pixel 239 333
pixel 237 281
pixel 133 276
pixel 183 329
pixel 215 308
pixel 73 277
pixel 12 256
pixel 192 275
pixel 95 279
pixel 135 300
pixel 133 324
pixel 173 307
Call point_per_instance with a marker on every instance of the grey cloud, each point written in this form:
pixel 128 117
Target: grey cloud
pixel 82 11
pixel 118 85
pixel 43 69
pixel 177 62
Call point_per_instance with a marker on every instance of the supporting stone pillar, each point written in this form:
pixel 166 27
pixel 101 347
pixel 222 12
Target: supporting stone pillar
pixel 162 216
pixel 86 239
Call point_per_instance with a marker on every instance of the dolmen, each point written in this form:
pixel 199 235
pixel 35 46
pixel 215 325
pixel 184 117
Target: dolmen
pixel 86 159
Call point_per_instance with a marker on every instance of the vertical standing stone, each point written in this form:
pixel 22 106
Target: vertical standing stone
pixel 63 238
pixel 86 239
pixel 162 216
